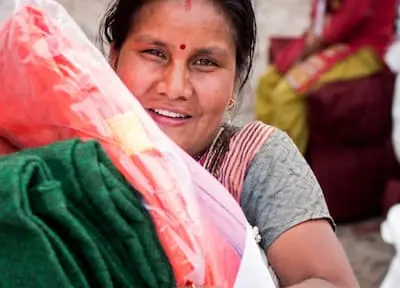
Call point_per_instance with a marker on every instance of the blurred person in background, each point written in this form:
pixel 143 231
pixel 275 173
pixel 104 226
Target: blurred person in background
pixel 346 40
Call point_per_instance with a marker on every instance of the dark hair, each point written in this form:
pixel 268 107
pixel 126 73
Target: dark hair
pixel 120 16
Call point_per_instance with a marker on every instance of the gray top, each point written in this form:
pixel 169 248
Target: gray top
pixel 280 190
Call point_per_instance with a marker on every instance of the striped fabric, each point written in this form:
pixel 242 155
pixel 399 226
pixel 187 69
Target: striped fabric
pixel 243 146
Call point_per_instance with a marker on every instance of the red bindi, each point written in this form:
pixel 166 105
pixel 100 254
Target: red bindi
pixel 183 46
pixel 188 4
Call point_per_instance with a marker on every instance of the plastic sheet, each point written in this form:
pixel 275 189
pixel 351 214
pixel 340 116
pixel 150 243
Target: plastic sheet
pixel 392 60
pixel 55 85
pixel 392 57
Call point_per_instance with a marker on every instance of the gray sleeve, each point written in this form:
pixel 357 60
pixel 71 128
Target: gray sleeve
pixel 280 190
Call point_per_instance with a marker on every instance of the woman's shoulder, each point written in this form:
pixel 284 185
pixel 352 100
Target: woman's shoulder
pixel 253 127
pixel 256 143
pixel 242 145
pixel 280 189
pixel 276 151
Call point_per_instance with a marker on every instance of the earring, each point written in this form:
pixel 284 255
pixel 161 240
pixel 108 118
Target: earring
pixel 229 111
pixel 231 104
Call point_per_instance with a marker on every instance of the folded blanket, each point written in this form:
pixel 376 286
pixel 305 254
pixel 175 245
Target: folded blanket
pixel 69 219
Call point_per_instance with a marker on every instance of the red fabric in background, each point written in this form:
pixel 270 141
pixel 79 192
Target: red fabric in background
pixel 357 23
pixel 355 113
pixel 286 53
pixel 362 23
pixel 353 179
pixel 350 148
pixel 391 196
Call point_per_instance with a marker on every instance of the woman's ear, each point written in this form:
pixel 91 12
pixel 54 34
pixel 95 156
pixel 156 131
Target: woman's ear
pixel 232 103
pixel 113 57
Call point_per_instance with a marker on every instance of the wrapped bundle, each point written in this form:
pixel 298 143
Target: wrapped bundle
pixel 55 85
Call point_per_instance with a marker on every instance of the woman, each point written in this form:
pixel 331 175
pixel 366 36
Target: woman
pixel 186 62
pixel 346 40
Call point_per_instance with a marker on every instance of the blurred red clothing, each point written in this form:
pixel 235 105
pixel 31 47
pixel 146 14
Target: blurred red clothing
pixel 361 23
pixel 356 23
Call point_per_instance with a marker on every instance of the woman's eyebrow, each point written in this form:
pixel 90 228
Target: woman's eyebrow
pixel 150 40
pixel 212 50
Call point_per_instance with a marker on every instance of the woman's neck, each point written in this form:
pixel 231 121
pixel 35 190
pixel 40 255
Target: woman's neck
pixel 201 157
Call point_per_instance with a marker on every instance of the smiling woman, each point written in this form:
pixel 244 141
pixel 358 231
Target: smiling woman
pixel 187 91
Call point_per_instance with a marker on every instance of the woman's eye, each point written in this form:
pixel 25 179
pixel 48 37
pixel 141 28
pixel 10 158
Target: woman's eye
pixel 204 62
pixel 155 52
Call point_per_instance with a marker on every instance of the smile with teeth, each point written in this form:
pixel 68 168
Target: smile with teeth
pixel 170 114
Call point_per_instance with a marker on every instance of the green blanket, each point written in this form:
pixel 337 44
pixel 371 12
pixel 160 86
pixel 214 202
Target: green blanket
pixel 69 219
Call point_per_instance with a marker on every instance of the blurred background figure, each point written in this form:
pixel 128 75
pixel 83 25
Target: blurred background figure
pixel 331 91
pixel 346 40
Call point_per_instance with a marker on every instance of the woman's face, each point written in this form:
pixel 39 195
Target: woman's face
pixel 179 62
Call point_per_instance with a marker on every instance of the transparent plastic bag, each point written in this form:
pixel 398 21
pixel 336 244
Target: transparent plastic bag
pixel 392 57
pixel 55 85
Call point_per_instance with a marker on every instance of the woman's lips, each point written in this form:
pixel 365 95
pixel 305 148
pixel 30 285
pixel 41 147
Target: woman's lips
pixel 168 118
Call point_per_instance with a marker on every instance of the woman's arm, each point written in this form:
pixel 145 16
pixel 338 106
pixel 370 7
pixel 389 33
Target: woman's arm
pixel 340 24
pixel 343 22
pixel 309 255
pixel 282 197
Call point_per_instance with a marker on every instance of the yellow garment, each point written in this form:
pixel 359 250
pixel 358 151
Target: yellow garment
pixel 279 105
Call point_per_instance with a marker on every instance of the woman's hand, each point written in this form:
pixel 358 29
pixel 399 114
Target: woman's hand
pixel 310 255
pixel 313 45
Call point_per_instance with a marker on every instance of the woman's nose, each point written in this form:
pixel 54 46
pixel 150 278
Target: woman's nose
pixel 176 82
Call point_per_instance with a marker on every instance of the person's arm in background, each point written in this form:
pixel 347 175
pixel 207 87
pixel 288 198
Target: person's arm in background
pixel 342 23
pixel 287 57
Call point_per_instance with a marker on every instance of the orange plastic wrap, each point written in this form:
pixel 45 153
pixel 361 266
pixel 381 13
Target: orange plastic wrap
pixel 54 85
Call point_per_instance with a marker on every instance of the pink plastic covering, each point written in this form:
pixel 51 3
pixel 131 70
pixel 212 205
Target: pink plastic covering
pixel 55 85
